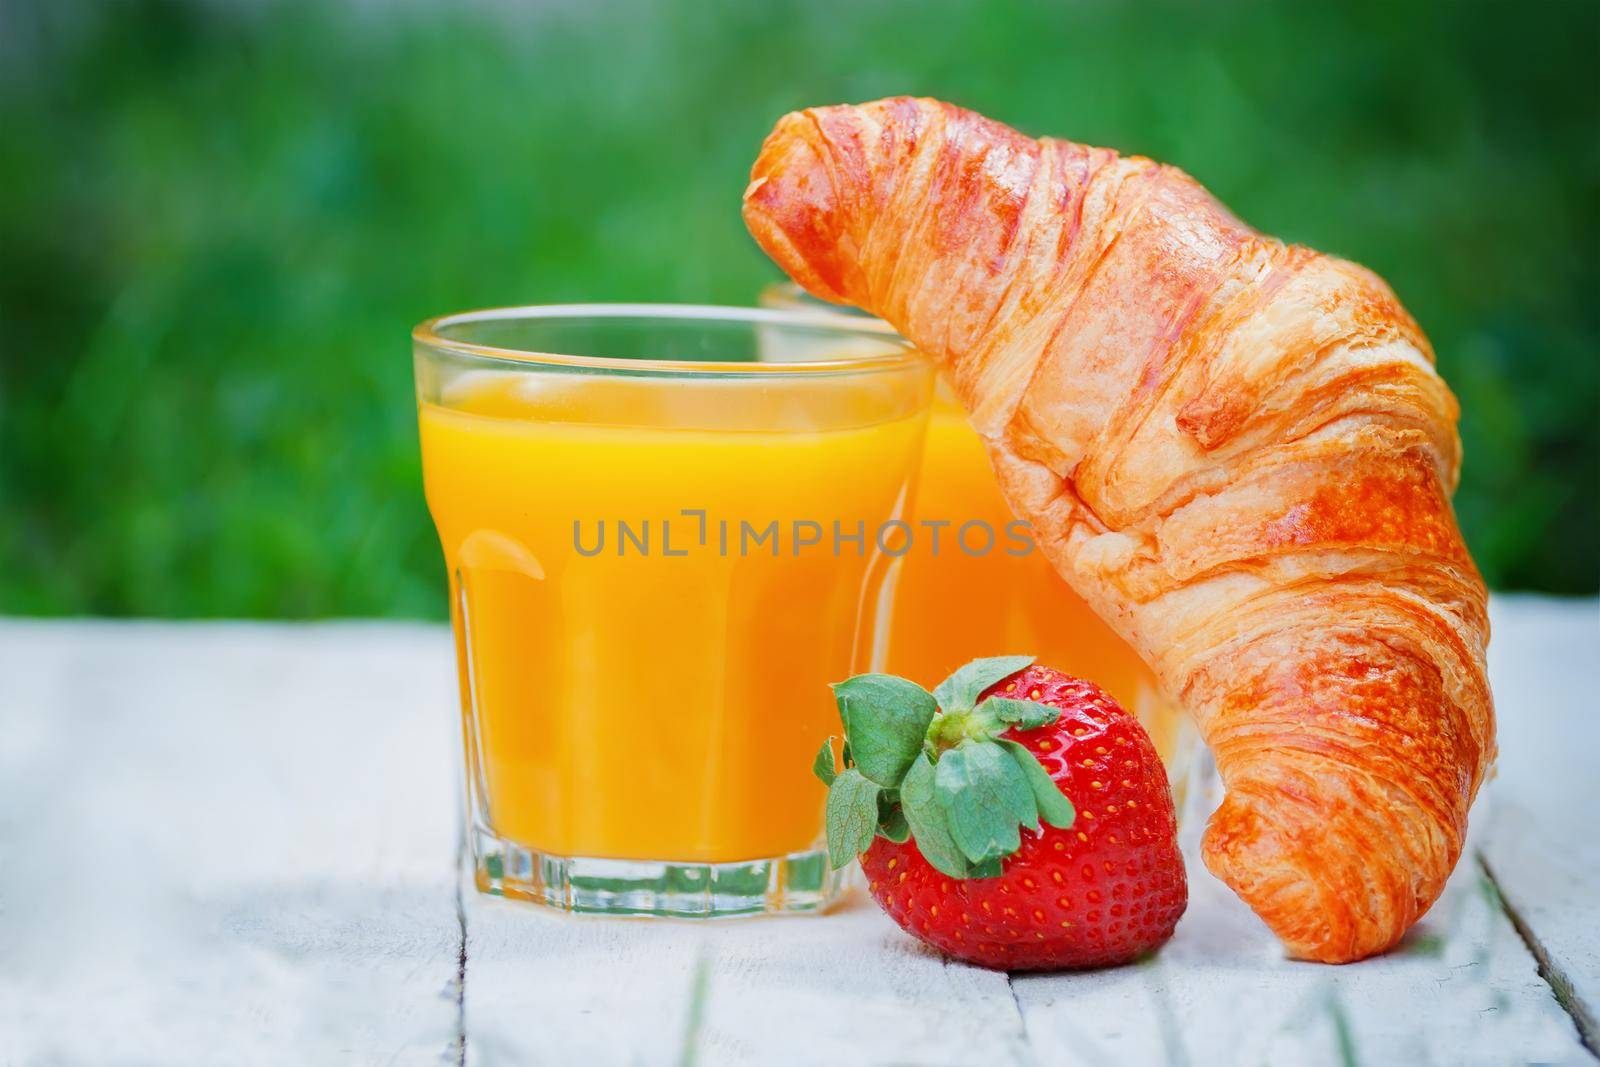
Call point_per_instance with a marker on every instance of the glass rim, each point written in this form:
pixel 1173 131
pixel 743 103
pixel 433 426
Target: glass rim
pixel 901 355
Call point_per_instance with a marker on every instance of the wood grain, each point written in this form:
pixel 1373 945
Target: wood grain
pixel 226 844
pixel 844 988
pixel 1461 989
pixel 1540 847
pixel 236 843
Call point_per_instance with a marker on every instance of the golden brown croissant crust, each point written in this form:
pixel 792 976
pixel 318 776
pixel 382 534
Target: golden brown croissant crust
pixel 1238 451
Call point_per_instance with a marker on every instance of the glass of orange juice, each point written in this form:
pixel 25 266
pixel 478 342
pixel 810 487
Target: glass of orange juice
pixel 969 550
pixel 662 544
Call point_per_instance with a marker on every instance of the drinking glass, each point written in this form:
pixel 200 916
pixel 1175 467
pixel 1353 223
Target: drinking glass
pixel 663 541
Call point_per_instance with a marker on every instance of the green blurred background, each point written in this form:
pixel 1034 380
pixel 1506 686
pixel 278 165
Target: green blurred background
pixel 220 220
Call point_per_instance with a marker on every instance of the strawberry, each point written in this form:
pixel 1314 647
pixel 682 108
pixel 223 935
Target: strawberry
pixel 1015 818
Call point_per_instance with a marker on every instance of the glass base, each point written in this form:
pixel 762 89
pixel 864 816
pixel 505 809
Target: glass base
pixel 798 883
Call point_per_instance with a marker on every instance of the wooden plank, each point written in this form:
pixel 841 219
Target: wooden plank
pixel 226 844
pixel 1462 989
pixel 236 844
pixel 1540 846
pixel 847 988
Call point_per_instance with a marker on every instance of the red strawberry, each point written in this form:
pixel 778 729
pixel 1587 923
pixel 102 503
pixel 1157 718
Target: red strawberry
pixel 963 803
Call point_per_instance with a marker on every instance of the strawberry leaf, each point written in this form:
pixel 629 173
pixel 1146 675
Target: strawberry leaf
pixel 894 826
pixel 1054 807
pixel 852 815
pixel 960 691
pixel 1025 714
pixel 886 720
pixel 822 766
pixel 985 796
pixel 926 818
pixel 986 869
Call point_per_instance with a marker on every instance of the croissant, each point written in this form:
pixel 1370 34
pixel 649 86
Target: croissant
pixel 1236 450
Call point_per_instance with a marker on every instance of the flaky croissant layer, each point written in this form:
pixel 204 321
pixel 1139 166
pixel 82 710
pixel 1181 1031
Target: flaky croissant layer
pixel 1238 451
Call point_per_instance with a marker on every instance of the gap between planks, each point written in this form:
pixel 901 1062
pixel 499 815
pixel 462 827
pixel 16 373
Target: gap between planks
pixel 461 953
pixel 1560 983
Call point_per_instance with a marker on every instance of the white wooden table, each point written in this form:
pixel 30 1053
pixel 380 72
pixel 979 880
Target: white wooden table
pixel 237 843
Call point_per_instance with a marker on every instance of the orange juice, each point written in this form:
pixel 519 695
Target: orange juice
pixel 646 677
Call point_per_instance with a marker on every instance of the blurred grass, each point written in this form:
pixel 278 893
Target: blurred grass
pixel 219 222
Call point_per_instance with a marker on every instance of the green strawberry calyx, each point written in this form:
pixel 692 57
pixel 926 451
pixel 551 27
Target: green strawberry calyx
pixel 933 767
